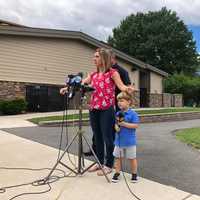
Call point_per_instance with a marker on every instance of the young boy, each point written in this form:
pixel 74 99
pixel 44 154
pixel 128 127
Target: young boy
pixel 125 140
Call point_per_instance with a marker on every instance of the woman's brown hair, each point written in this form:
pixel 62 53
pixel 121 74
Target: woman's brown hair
pixel 105 57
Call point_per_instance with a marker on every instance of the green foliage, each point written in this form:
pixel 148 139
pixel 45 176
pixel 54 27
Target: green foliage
pixel 0 106
pixel 190 136
pixel 157 38
pixel 188 86
pixel 13 107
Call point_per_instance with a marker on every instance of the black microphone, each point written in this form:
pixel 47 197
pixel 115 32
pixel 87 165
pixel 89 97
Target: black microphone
pixel 71 91
pixel 87 88
pixel 80 74
pixel 119 118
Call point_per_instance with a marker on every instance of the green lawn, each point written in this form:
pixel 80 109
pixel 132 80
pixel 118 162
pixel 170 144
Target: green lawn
pixel 141 112
pixel 55 118
pixel 169 110
pixel 190 136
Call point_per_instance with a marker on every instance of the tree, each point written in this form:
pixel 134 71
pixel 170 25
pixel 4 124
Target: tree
pixel 159 38
pixel 188 86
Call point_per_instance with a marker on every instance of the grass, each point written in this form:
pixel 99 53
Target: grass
pixel 55 118
pixel 168 110
pixel 140 112
pixel 190 136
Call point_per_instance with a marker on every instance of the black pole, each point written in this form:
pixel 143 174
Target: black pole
pixel 80 142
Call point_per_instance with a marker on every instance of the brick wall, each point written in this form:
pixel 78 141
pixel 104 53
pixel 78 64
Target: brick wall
pixel 167 100
pixel 155 100
pixel 11 90
pixel 136 99
pixel 169 117
pixel 177 100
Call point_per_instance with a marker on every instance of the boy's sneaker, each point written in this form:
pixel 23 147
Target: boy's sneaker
pixel 115 177
pixel 134 178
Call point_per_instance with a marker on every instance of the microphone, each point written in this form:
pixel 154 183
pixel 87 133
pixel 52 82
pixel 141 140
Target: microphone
pixel 74 82
pixel 74 78
pixel 119 118
pixel 87 88
pixel 71 92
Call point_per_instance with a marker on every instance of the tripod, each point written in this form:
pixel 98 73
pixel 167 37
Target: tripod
pixel 80 169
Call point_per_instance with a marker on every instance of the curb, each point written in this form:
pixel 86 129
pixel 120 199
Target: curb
pixel 149 118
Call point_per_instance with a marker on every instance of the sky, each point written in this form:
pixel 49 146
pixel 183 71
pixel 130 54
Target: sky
pixel 94 17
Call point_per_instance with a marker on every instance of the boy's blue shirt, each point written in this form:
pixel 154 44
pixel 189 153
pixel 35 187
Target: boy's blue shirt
pixel 126 137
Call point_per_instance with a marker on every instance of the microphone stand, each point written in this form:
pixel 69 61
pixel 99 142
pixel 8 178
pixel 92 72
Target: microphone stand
pixel 80 170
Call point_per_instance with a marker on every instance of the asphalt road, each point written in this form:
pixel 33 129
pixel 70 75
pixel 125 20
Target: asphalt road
pixel 161 157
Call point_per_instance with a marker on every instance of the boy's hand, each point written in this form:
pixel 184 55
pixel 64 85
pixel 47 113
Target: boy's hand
pixel 128 125
pixel 122 123
pixel 117 128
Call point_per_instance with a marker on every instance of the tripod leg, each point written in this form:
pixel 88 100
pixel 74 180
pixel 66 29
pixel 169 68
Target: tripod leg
pixel 59 160
pixel 80 152
pixel 97 160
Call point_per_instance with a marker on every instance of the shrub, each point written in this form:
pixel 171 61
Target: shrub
pixel 13 107
pixel 0 106
pixel 188 86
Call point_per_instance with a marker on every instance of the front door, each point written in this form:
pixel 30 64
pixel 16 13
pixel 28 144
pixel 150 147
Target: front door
pixel 144 88
pixel 37 98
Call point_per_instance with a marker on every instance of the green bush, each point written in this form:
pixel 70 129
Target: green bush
pixel 0 105
pixel 186 85
pixel 13 106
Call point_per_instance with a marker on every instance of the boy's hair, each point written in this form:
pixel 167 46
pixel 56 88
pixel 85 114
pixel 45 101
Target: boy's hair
pixel 127 96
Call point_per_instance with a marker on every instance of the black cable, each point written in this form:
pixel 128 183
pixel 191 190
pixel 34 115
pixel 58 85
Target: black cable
pixel 51 179
pixel 64 119
pixel 127 182
pixel 132 193
pixel 74 118
pixel 121 164
pixel 39 182
pixel 33 169
pixel 32 193
pixel 64 123
pixel 187 197
pixel 29 169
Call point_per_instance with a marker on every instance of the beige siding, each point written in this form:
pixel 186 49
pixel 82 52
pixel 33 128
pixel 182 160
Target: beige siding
pixel 47 60
pixel 156 83
pixel 134 75
pixel 42 60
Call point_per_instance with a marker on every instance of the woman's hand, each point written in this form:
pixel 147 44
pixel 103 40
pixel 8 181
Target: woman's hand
pixel 130 89
pixel 120 84
pixel 63 90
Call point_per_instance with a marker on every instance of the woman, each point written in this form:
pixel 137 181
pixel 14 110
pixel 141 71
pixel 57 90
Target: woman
pixel 101 110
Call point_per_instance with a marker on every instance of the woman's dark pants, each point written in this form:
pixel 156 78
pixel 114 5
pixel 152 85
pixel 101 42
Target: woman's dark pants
pixel 102 123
